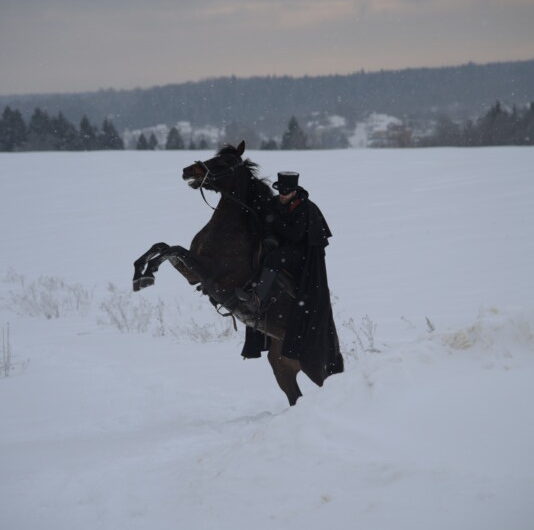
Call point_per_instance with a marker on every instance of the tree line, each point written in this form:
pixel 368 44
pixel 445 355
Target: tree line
pixel 54 133
pixel 293 138
pixel 498 126
pixel 174 141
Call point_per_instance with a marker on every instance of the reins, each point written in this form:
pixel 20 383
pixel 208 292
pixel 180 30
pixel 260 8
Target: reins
pixel 201 188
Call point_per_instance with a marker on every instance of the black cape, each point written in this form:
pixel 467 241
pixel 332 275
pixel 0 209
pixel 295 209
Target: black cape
pixel 311 335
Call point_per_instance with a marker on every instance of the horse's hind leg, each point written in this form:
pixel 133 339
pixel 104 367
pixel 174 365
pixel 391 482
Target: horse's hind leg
pixel 139 264
pixel 285 370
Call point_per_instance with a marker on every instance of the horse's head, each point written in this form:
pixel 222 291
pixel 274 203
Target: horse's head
pixel 218 173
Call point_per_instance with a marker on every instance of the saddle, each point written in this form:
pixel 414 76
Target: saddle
pixel 284 284
pixel 285 280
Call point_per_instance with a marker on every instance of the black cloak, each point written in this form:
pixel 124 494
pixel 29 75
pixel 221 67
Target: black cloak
pixel 311 335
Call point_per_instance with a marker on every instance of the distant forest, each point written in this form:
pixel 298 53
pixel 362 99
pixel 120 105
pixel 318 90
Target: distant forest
pixel 266 103
pixel 498 126
pixel 54 133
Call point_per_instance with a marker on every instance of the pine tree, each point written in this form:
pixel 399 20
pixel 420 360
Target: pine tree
pixel 152 142
pixel 65 135
pixel 294 137
pixel 109 137
pixel 494 126
pixel 174 139
pixel 13 133
pixel 40 132
pixel 142 144
pixel 88 135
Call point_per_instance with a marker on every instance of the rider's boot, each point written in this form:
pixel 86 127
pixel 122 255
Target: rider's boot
pixel 255 300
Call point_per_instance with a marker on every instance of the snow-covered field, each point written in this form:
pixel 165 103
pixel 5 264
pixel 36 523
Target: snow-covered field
pixel 136 411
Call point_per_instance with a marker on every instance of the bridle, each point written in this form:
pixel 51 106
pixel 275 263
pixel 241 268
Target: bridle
pixel 212 177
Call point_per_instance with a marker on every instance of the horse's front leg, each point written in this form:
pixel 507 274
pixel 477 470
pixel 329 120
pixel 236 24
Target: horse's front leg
pixel 188 272
pixel 181 260
pixel 140 263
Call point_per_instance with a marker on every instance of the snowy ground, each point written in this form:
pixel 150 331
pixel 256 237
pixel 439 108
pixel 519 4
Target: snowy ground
pixel 123 411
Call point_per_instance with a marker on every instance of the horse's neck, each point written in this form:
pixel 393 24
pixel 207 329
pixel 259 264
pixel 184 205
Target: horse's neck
pixel 228 211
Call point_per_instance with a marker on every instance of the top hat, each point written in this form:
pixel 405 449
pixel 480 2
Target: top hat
pixel 287 182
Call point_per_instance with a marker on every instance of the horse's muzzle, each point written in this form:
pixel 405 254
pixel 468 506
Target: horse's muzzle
pixel 193 180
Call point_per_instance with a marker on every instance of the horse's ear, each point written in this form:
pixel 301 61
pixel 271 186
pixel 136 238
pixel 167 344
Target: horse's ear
pixel 241 148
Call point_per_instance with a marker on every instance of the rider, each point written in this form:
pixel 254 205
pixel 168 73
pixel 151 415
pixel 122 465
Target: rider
pixel 297 234
pixel 286 228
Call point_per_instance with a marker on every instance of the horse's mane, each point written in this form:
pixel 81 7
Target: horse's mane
pixel 259 189
pixel 255 191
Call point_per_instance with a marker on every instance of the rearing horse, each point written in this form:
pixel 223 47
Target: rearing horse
pixel 226 253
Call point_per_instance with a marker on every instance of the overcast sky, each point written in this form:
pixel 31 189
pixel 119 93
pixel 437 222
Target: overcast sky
pixel 78 45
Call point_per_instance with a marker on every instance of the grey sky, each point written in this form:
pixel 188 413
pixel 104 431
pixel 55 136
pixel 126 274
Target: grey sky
pixel 76 45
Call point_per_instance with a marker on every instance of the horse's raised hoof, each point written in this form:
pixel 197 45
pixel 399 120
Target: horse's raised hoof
pixel 136 285
pixel 146 281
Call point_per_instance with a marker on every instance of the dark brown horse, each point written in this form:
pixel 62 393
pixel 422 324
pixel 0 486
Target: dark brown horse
pixel 226 253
